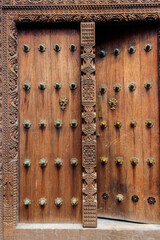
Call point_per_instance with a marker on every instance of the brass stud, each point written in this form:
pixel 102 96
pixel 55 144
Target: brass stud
pixel 150 161
pixel 117 87
pixel 104 160
pixel 58 162
pixel 27 163
pixel 132 87
pixel 132 49
pixel 133 123
pixel 73 47
pixel 74 201
pixel 42 48
pixel 118 124
pixel 149 123
pixel 74 162
pixel 102 53
pixel 134 161
pixel 43 163
pixel 27 124
pixel 103 124
pixel 42 202
pixel 113 103
pixel 58 202
pixel 26 86
pixel 42 124
pixel 58 124
pixel 102 89
pixel 74 123
pixel 148 47
pixel 73 85
pixel 27 202
pixel 57 85
pixel 116 51
pixel 120 197
pixel 42 86
pixel 119 161
pixel 151 200
pixel 26 48
pixel 135 198
pixel 148 85
pixel 105 196
pixel 57 47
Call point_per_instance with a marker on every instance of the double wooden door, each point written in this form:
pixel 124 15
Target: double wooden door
pixel 127 124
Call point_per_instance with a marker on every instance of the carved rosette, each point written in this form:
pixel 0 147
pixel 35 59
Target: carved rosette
pixel 88 84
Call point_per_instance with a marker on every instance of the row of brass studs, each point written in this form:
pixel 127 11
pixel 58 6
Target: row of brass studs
pixel 133 123
pixel 134 198
pixel 132 87
pixel 134 161
pixel 58 124
pixel 43 202
pixel 42 86
pixel 42 124
pixel 131 50
pixel 58 162
pixel 42 48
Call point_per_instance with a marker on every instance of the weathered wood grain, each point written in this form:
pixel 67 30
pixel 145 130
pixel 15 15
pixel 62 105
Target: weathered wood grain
pixel 65 143
pixel 140 142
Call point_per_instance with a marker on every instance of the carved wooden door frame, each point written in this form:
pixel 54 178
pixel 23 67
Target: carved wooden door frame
pixel 86 13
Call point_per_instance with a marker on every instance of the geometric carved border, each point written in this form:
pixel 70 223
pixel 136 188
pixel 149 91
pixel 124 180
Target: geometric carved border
pixel 53 11
pixel 88 90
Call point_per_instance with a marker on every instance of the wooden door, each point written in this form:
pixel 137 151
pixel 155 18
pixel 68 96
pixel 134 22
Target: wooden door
pixel 50 125
pixel 128 123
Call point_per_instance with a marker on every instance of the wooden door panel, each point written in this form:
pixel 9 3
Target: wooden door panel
pixel 141 142
pixel 50 143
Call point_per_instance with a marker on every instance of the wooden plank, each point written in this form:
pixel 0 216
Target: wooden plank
pixel 51 143
pixel 139 142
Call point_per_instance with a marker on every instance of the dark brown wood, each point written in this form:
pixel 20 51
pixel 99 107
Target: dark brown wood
pixel 51 143
pixel 140 142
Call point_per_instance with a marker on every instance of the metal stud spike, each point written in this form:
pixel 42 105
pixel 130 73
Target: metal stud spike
pixel 120 197
pixel 27 202
pixel 42 48
pixel 26 86
pixel 58 162
pixel 104 160
pixel 27 124
pixel 102 53
pixel 74 162
pixel 42 202
pixel 74 201
pixel 43 163
pixel 132 49
pixel 26 48
pixel 27 163
pixel 73 47
pixel 58 202
pixel 57 47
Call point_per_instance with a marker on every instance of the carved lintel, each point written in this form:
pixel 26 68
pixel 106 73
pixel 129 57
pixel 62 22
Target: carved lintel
pixel 88 84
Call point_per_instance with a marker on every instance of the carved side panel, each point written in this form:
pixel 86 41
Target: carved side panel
pixel 10 124
pixel 88 85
